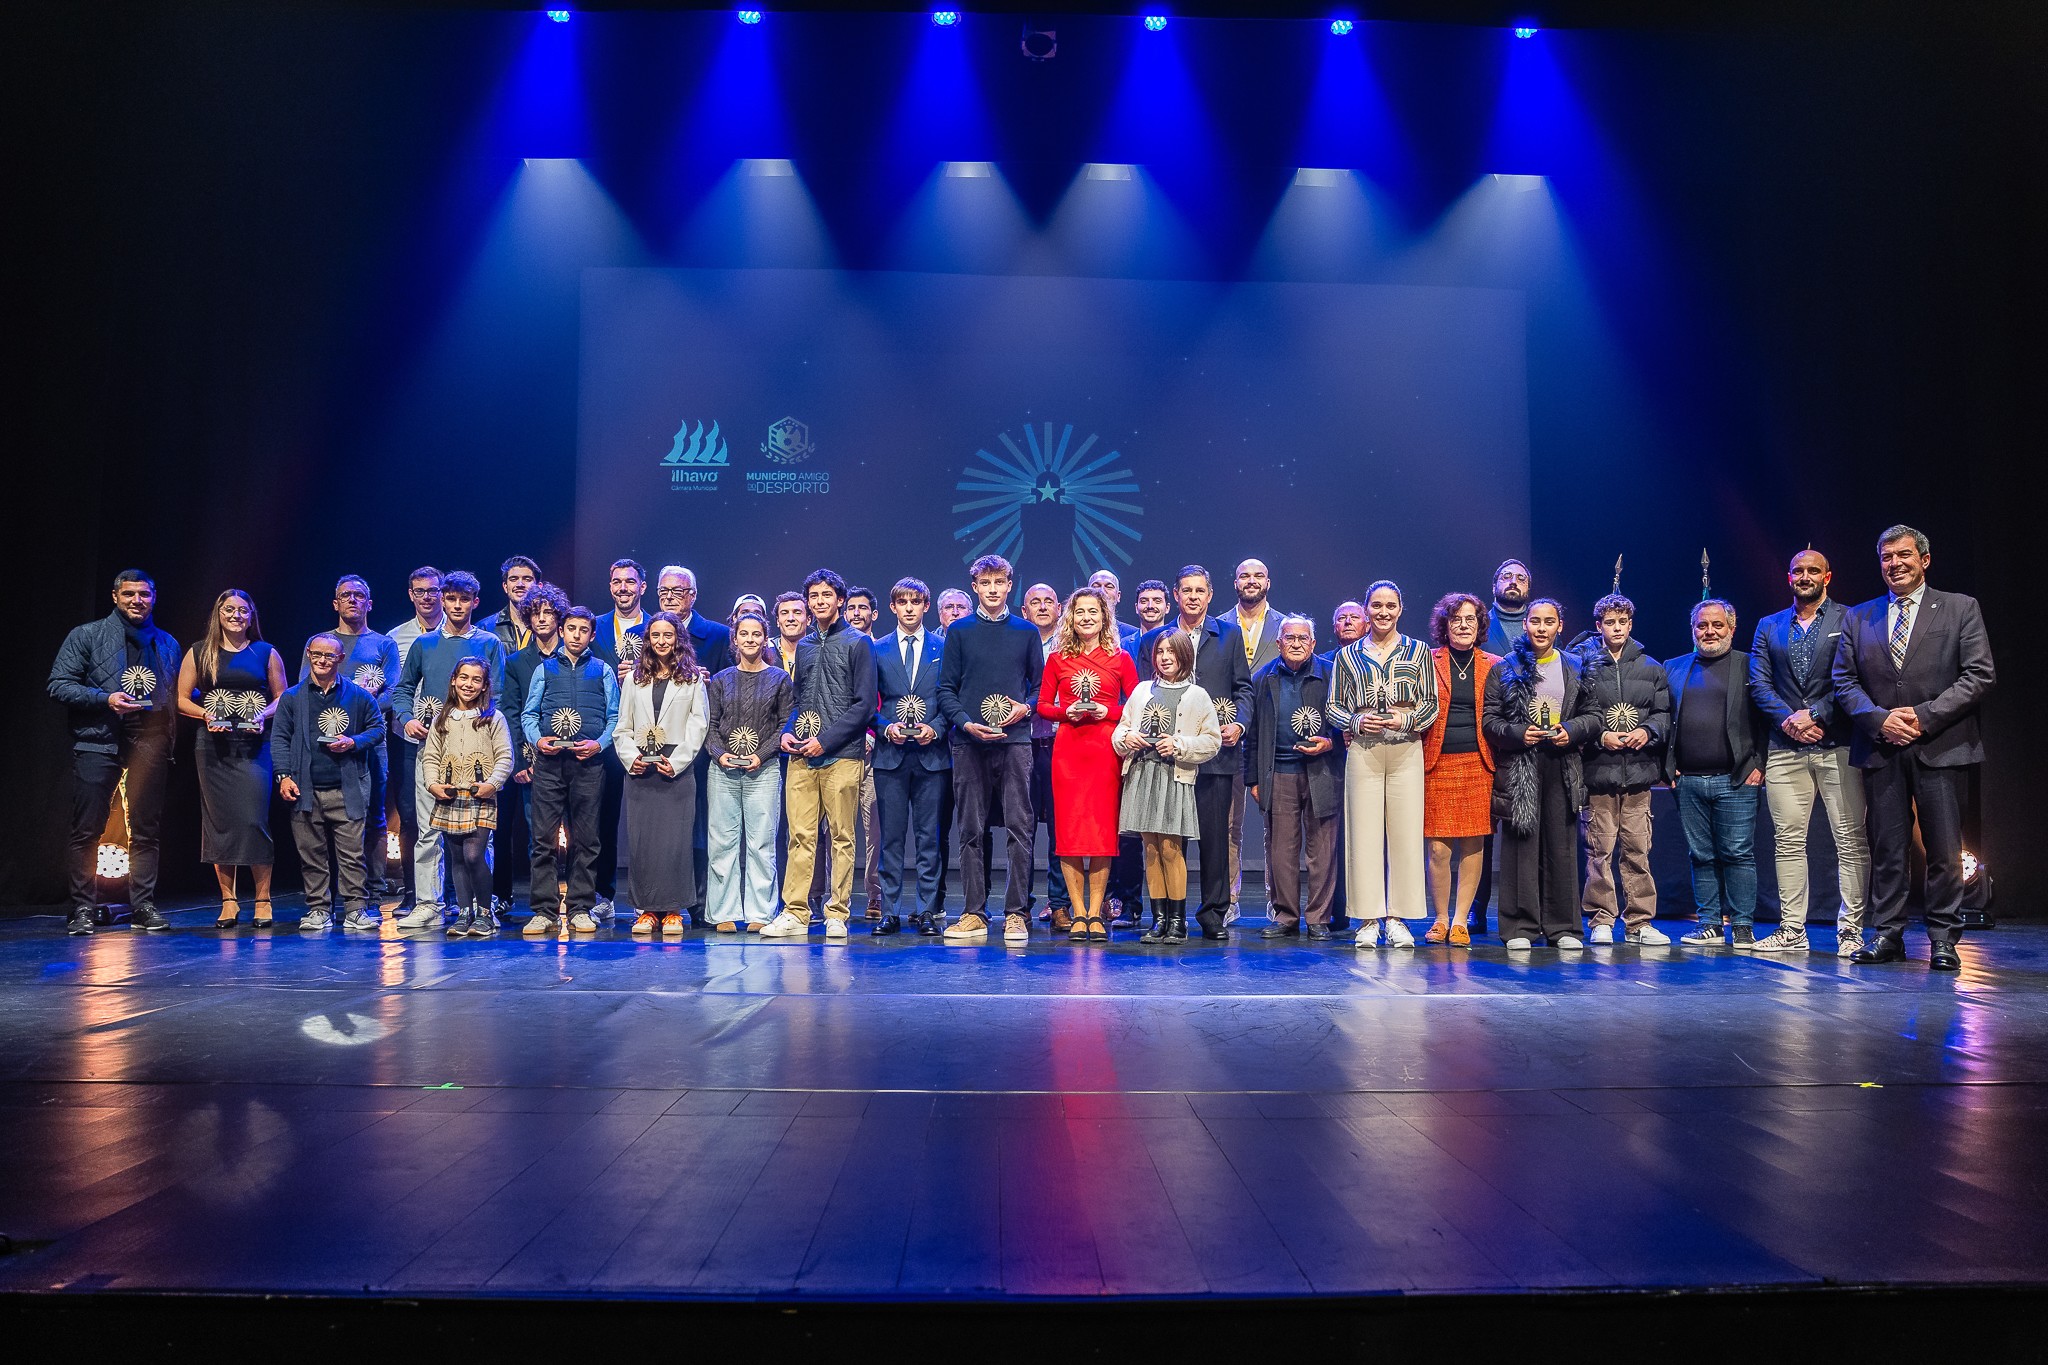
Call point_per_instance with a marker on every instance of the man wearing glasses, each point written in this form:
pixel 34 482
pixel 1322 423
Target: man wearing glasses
pixel 370 660
pixel 676 590
pixel 321 744
pixel 423 590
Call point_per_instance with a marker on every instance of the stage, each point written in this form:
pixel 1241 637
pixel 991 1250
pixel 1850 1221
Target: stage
pixel 896 1119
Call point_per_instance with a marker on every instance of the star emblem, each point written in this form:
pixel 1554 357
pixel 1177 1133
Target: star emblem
pixel 1048 491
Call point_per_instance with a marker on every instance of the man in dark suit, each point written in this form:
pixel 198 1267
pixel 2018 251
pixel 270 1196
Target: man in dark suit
pixel 911 758
pixel 676 593
pixel 1295 774
pixel 1792 681
pixel 1714 759
pixel 1220 671
pixel 1912 669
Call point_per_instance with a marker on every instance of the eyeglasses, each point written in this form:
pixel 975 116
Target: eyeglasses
pixel 423 592
pixel 322 656
pixel 675 592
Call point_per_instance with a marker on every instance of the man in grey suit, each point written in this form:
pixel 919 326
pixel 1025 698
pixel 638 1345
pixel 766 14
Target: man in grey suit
pixel 1911 671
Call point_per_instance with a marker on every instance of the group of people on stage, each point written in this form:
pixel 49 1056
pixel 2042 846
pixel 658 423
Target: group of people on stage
pixel 1396 777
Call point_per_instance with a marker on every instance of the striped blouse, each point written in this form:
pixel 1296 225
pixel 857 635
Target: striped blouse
pixel 1405 684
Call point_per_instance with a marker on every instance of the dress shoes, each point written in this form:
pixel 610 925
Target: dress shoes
pixel 1317 933
pixel 1944 957
pixel 1883 948
pixel 930 924
pixel 886 925
pixel 1278 931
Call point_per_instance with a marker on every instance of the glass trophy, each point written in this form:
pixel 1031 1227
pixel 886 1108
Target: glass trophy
pixel 1086 684
pixel 1226 712
pixel 630 647
pixel 332 724
pixel 910 713
pixel 139 682
pixel 220 707
pixel 1155 722
pixel 1304 724
pixel 1621 718
pixel 654 743
pixel 369 677
pixel 1543 715
pixel 248 706
pixel 807 726
pixel 425 708
pixel 995 709
pixel 742 742
pixel 566 723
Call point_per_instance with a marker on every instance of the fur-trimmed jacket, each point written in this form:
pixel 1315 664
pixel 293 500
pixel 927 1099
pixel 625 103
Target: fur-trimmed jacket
pixel 1509 690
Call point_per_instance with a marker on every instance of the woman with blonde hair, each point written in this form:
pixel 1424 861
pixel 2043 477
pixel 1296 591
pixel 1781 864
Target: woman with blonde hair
pixel 1168 730
pixel 230 682
pixel 1087 677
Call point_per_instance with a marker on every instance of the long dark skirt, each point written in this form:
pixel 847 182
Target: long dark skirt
pixel 1537 877
pixel 661 875
pixel 234 800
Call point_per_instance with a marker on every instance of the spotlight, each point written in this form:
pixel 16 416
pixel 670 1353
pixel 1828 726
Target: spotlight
pixel 1340 27
pixel 1040 44
pixel 392 849
pixel 945 18
pixel 1525 32
pixel 111 862
pixel 750 16
pixel 1154 22
pixel 560 16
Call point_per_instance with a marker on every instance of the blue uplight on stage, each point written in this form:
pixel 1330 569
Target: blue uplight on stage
pixel 945 18
pixel 1525 32
pixel 560 16
pixel 1340 27
pixel 1154 22
pixel 750 16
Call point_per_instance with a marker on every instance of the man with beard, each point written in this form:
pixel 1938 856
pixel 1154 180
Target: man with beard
pixel 1258 623
pixel 1042 609
pixel 615 639
pixel 1627 692
pixel 517 576
pixel 1219 671
pixel 1715 762
pixel 1791 680
pixel 1150 607
pixel 1913 668
pixel 1510 609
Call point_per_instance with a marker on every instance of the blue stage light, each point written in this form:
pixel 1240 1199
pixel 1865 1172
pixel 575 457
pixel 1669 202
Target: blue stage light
pixel 560 16
pixel 1340 27
pixel 750 16
pixel 945 18
pixel 1525 32
pixel 1154 22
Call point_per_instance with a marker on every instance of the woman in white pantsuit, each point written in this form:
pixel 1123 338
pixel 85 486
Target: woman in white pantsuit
pixel 1383 696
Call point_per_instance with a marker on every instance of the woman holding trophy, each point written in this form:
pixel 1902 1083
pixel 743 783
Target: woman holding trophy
pixel 1087 678
pixel 662 722
pixel 1383 695
pixel 1167 732
pixel 466 757
pixel 230 682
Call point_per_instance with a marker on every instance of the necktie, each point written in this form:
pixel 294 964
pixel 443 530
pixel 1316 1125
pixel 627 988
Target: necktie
pixel 910 660
pixel 1901 628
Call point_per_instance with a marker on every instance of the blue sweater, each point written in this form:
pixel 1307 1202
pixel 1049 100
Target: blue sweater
pixel 987 658
pixel 431 661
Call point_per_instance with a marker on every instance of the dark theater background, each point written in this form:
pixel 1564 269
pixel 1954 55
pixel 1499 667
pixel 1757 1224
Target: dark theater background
pixel 296 290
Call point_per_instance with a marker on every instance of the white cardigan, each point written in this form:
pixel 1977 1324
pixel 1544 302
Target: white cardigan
pixel 1196 737
pixel 685 718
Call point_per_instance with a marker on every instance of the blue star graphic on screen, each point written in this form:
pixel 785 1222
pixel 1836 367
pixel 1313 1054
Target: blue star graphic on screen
pixel 1045 491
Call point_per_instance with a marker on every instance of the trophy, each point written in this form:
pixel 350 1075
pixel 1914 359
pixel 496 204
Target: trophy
pixel 910 713
pixel 463 777
pixel 1621 718
pixel 1542 716
pixel 1155 722
pixel 219 705
pixel 1086 684
pixel 807 726
pixel 995 709
pixel 369 677
pixel 525 754
pixel 233 711
pixel 139 682
pixel 1226 713
pixel 742 742
pixel 425 708
pixel 630 647
pixel 332 724
pixel 654 743
pixel 566 723
pixel 1305 723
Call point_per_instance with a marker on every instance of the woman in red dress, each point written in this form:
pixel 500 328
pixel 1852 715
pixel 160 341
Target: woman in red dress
pixel 1087 678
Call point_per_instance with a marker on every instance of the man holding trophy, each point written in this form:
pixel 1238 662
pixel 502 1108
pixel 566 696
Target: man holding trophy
pixel 570 711
pixel 326 735
pixel 1293 771
pixel 911 759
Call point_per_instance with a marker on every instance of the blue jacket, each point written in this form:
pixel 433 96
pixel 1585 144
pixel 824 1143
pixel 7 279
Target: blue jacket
pixel 835 681
pixel 607 625
pixel 1778 692
pixel 893 686
pixel 296 725
pixel 536 689
pixel 88 670
pixel 1946 675
pixel 431 661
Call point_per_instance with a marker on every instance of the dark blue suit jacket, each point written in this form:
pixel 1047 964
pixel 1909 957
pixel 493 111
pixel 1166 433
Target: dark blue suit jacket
pixel 892 686
pixel 1946 676
pixel 601 640
pixel 1778 691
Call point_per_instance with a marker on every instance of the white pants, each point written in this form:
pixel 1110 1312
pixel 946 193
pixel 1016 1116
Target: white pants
pixel 1383 860
pixel 426 845
pixel 1792 778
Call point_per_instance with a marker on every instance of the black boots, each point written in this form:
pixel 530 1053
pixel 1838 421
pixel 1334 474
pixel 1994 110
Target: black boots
pixel 1169 921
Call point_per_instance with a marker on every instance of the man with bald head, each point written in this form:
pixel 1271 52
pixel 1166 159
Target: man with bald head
pixel 1259 624
pixel 1791 680
pixel 1042 607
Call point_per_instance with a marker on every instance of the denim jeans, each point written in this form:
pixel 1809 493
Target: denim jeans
pixel 1718 815
pixel 739 843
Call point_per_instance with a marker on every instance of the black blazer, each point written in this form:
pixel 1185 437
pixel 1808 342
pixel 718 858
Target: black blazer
pixel 1262 731
pixel 713 642
pixel 892 686
pixel 1946 676
pixel 1745 722
pixel 1778 691
pixel 1219 670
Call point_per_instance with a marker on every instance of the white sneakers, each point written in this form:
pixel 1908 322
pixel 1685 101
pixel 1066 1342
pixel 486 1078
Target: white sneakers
pixel 1397 935
pixel 1517 945
pixel 1647 936
pixel 786 925
pixel 1569 943
pixel 1602 935
pixel 835 930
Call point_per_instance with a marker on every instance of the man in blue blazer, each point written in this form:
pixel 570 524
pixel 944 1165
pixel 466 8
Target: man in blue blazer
pixel 911 758
pixel 675 592
pixel 1792 681
pixel 1912 670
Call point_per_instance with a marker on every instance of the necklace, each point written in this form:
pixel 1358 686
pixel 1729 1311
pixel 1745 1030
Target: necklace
pixel 1465 671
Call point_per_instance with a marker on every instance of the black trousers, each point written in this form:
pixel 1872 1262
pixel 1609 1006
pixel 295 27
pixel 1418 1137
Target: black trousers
pixel 511 839
pixel 1127 874
pixel 566 793
pixel 145 751
pixel 405 757
pixel 1212 818
pixel 610 799
pixel 1893 795
pixel 1041 814
pixel 1538 874
pixel 982 771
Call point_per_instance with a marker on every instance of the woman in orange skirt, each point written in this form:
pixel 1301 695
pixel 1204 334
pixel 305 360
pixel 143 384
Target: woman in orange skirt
pixel 1457 784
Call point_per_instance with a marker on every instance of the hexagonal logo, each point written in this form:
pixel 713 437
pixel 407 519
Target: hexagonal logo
pixel 789 442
